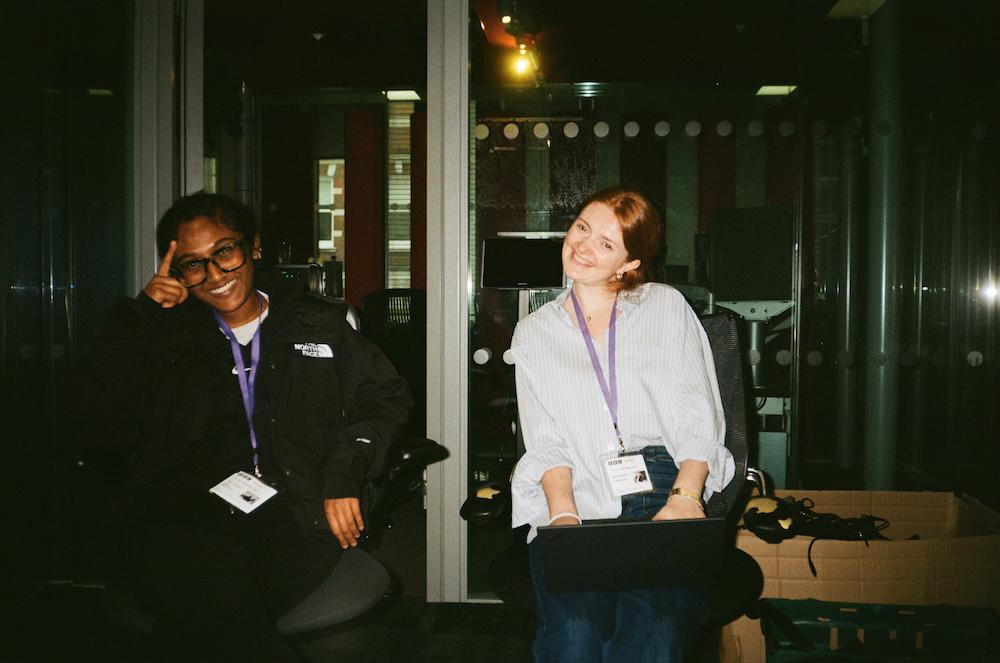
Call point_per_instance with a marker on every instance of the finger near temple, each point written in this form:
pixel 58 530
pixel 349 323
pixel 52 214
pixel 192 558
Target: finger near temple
pixel 168 258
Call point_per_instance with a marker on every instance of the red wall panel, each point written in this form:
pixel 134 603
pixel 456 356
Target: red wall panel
pixel 363 218
pixel 716 169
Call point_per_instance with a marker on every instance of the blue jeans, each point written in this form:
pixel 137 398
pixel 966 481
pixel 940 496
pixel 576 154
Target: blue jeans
pixel 634 626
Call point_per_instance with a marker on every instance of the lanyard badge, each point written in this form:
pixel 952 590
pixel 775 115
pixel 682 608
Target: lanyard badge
pixel 246 382
pixel 627 473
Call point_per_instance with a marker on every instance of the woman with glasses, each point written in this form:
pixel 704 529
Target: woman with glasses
pixel 615 373
pixel 254 414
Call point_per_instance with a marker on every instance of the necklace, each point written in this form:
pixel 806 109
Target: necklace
pixel 589 318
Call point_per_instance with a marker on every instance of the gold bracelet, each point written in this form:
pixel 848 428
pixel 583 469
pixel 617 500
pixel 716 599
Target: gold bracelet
pixel 690 494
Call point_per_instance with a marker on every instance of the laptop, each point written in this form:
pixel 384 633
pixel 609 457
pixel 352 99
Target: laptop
pixel 614 555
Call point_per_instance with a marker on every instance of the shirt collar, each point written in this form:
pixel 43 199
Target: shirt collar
pixel 628 301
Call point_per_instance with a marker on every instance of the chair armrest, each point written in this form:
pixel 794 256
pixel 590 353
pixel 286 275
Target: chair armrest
pixel 413 453
pixel 489 506
pixel 403 476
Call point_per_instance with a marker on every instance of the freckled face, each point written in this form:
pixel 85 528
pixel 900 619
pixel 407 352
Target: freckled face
pixel 593 251
pixel 226 292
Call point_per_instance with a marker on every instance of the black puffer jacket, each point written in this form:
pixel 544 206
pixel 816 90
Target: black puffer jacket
pixel 329 421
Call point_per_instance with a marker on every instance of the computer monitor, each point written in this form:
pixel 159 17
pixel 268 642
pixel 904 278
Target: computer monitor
pixel 517 263
pixel 750 254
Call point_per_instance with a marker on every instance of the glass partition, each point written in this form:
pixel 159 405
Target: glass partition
pixel 64 196
pixel 822 175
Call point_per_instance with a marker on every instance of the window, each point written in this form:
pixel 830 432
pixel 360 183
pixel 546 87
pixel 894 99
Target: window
pixel 330 209
pixel 398 195
pixel 211 175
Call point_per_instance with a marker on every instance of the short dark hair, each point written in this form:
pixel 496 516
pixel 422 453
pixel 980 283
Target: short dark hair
pixel 642 230
pixel 215 206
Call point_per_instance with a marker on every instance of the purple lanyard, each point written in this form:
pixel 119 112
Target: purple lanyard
pixel 246 385
pixel 610 387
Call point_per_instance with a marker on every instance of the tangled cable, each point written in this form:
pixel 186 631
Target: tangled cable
pixel 831 526
pixel 790 517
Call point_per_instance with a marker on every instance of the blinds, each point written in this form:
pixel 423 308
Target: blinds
pixel 398 197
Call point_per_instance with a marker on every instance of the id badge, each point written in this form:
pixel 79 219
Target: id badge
pixel 627 474
pixel 243 491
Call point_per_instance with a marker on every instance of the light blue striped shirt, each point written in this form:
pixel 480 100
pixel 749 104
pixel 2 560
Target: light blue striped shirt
pixel 667 395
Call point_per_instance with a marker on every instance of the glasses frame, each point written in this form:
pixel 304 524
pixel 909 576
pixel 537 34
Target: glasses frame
pixel 242 243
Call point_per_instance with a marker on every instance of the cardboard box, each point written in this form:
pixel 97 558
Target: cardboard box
pixel 955 560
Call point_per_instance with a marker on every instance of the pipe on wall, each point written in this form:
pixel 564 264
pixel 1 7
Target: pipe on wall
pixel 848 300
pixel 246 154
pixel 884 209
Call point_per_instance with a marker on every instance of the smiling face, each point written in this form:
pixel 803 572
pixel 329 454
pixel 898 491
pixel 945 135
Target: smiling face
pixel 593 252
pixel 229 293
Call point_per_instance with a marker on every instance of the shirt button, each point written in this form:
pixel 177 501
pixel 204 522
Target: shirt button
pixel 273 420
pixel 273 366
pixel 288 473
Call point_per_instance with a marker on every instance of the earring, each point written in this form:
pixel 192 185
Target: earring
pixel 258 254
pixel 620 275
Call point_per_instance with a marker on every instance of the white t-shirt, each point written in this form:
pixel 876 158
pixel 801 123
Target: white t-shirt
pixel 244 333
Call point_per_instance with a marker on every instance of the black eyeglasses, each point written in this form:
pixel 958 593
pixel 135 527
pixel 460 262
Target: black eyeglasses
pixel 228 258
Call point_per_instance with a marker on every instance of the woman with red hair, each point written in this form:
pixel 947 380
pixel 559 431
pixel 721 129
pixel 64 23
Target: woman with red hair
pixel 615 367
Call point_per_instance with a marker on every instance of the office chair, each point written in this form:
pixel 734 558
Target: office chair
pixel 396 321
pixel 742 581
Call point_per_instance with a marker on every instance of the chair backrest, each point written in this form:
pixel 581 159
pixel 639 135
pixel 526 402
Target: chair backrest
pixel 396 321
pixel 385 312
pixel 723 335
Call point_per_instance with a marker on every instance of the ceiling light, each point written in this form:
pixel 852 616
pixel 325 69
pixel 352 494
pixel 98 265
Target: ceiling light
pixel 505 19
pixel 854 8
pixel 775 90
pixel 402 95
pixel 587 89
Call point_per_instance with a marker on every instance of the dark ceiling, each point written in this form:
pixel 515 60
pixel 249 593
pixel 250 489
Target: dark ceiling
pixel 677 40
pixel 300 44
pixel 752 41
pixel 376 45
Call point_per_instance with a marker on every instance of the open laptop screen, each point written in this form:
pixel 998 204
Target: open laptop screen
pixel 614 555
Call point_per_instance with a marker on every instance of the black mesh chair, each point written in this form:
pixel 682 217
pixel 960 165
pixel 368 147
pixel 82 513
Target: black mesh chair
pixel 742 581
pixel 396 321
